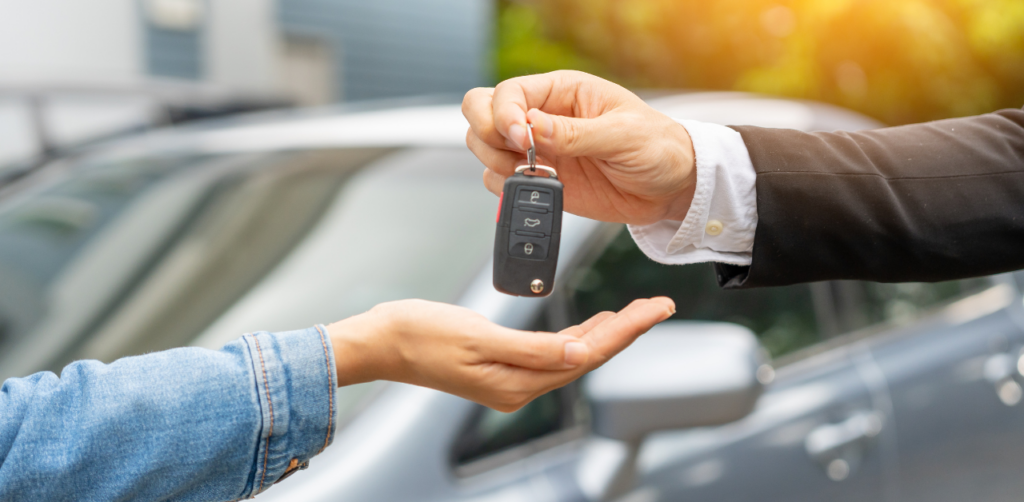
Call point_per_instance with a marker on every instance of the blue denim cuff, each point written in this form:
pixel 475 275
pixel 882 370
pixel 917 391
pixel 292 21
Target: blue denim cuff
pixel 296 381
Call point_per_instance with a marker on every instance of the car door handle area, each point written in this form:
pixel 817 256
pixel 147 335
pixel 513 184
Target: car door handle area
pixel 839 447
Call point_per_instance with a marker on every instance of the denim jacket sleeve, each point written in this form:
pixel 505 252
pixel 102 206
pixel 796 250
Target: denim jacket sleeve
pixel 184 424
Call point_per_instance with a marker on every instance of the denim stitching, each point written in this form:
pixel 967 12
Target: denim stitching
pixel 270 404
pixel 330 391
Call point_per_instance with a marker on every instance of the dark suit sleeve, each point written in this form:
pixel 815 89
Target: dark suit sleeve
pixel 926 202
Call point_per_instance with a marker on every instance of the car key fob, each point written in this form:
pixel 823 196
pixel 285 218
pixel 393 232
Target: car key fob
pixel 528 231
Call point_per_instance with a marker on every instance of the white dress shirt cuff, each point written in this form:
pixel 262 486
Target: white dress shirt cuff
pixel 719 227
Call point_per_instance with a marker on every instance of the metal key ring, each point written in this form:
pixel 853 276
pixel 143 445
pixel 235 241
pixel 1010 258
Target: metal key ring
pixel 531 157
pixel 551 172
pixel 531 154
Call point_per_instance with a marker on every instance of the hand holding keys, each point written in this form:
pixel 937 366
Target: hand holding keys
pixel 621 160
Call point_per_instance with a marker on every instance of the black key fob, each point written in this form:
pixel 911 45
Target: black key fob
pixel 529 228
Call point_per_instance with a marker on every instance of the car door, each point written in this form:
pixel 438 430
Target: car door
pixel 818 433
pixel 955 383
pixel 766 456
pixel 528 454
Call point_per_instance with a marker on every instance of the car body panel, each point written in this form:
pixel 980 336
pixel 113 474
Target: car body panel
pixel 764 453
pixel 958 429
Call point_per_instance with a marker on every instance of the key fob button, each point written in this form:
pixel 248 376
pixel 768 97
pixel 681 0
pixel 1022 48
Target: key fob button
pixel 536 197
pixel 529 221
pixel 530 248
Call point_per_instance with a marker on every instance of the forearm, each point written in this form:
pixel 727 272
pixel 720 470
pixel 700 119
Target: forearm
pixel 189 424
pixel 926 202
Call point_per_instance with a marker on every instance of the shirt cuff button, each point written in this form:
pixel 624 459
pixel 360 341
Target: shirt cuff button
pixel 714 227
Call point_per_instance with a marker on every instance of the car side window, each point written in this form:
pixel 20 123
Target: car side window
pixel 783 317
pixel 860 304
pixel 489 434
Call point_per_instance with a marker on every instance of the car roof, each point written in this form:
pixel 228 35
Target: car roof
pixel 442 125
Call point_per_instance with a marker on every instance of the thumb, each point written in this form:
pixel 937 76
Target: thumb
pixel 577 137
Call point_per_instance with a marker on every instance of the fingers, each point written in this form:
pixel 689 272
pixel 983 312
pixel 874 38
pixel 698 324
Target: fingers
pixel 514 97
pixel 559 93
pixel 607 333
pixel 554 92
pixel 510 102
pixel 494 182
pixel 600 137
pixel 582 329
pixel 619 331
pixel 561 358
pixel 476 107
pixel 569 111
pixel 533 350
pixel 499 160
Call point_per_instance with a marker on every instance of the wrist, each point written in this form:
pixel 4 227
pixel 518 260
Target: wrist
pixel 360 344
pixel 684 162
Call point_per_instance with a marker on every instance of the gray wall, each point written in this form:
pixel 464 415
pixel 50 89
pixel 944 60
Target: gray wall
pixel 385 48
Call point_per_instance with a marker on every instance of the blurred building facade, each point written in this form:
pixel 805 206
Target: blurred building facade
pixel 308 52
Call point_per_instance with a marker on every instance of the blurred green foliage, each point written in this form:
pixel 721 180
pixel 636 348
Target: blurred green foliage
pixel 900 61
pixel 523 48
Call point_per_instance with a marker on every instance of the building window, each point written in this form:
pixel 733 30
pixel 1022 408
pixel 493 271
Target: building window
pixel 173 32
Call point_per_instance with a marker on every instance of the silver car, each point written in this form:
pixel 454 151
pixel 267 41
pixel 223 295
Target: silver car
pixel 831 391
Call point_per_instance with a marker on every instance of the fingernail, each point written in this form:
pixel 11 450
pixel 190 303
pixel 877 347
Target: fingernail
pixel 542 124
pixel 516 136
pixel 575 353
pixel 670 303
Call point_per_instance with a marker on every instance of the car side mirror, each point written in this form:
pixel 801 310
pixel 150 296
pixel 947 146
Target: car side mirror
pixel 680 374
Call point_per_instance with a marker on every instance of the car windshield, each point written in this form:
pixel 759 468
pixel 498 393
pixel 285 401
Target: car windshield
pixel 114 258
